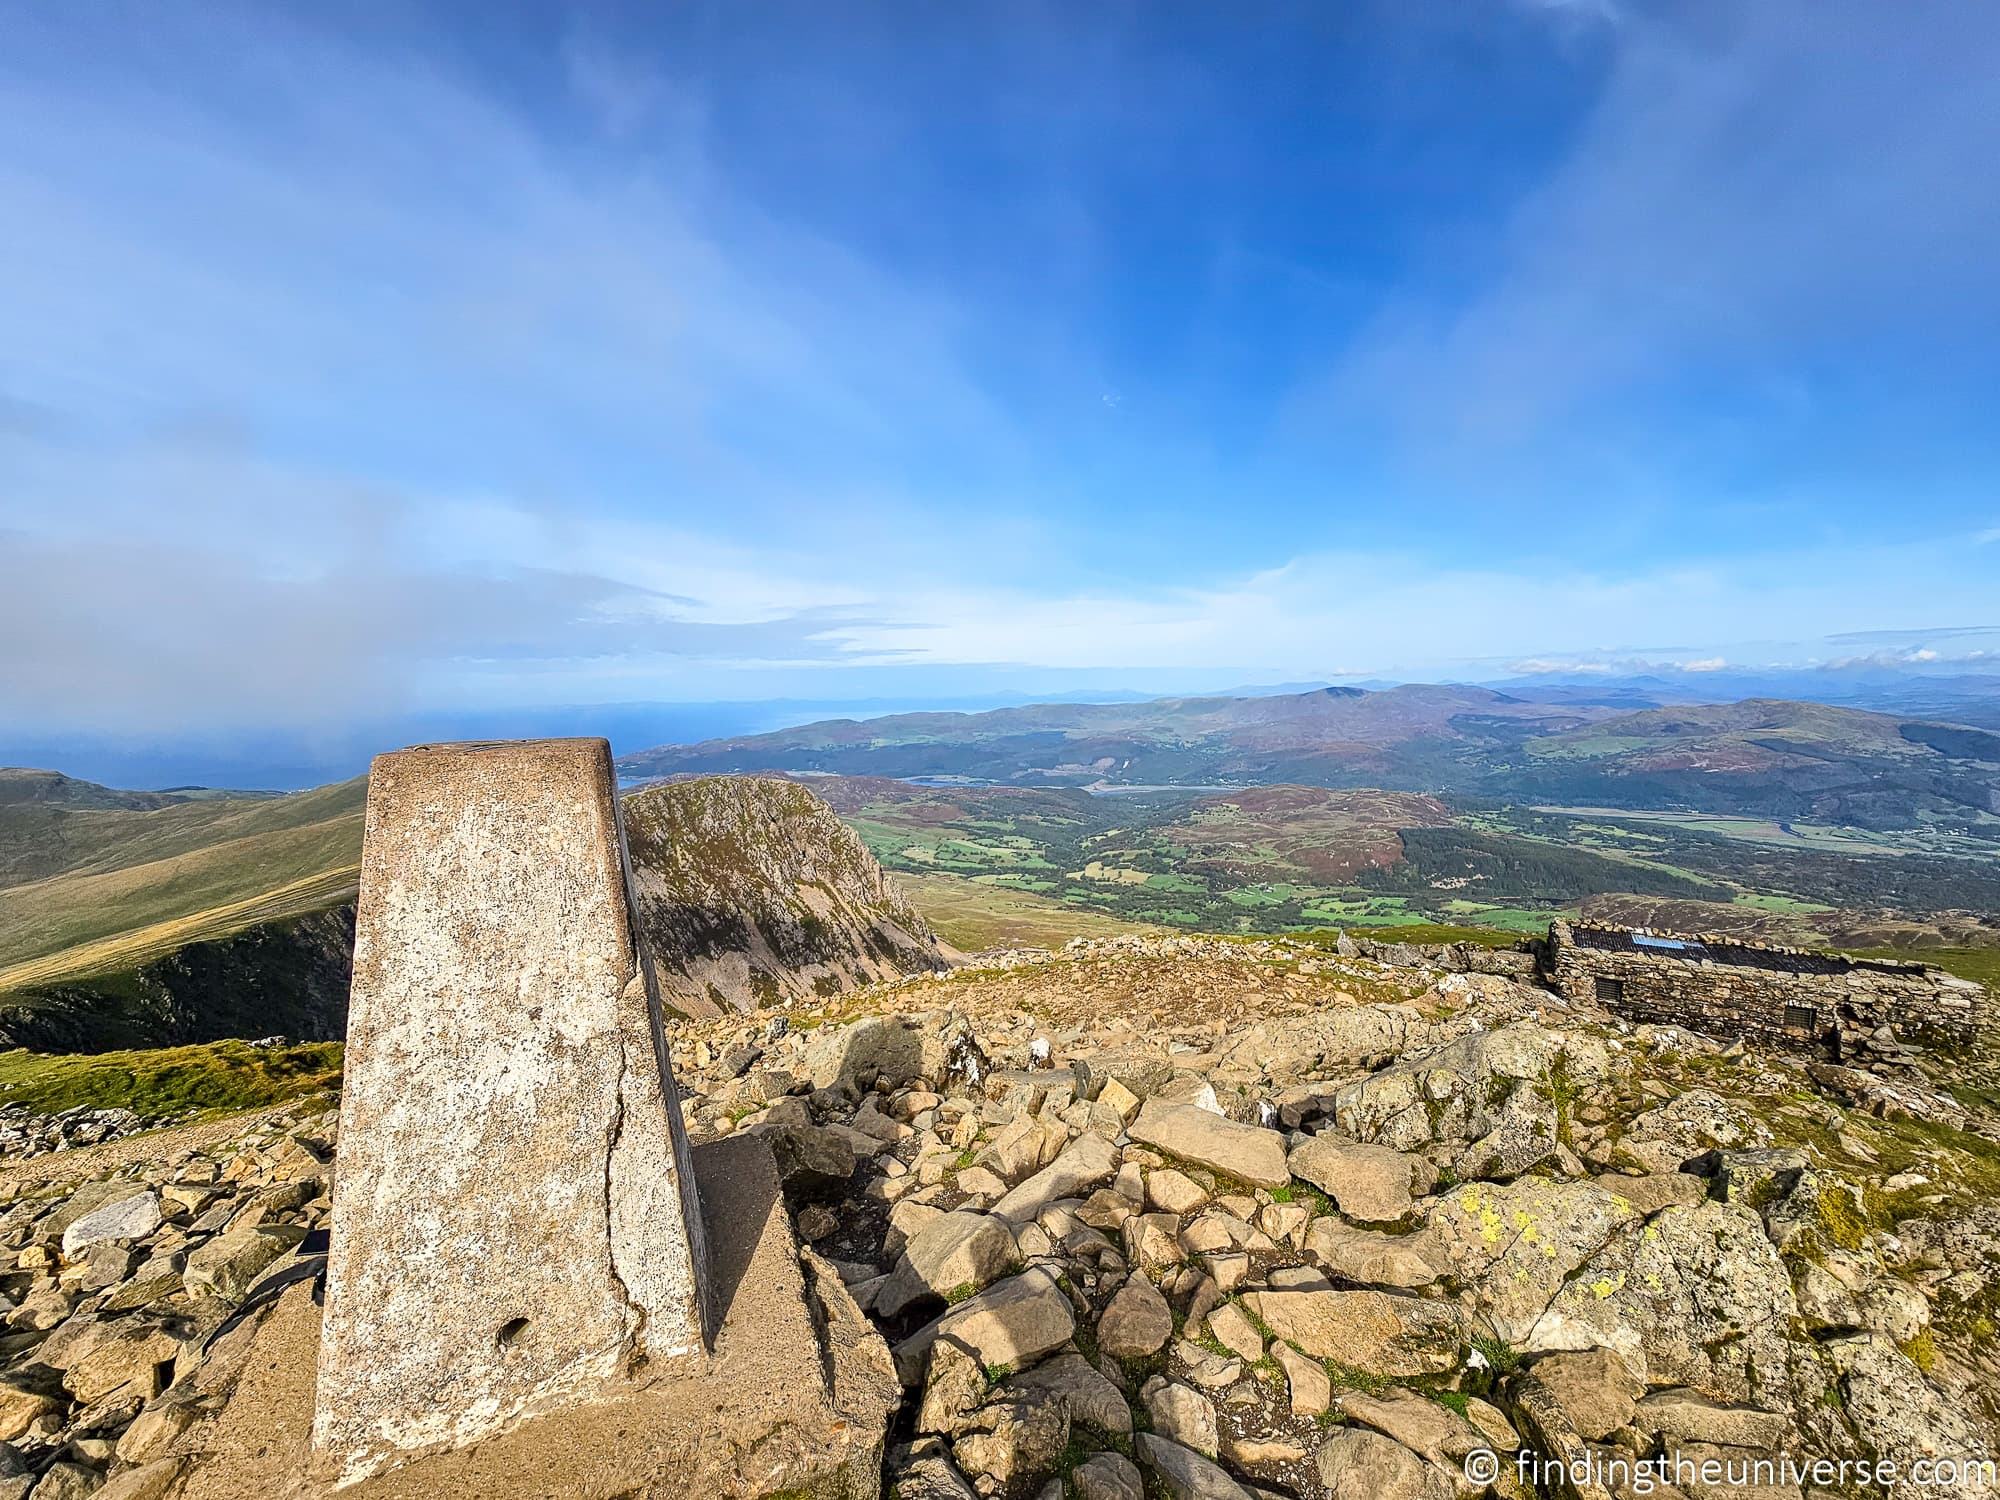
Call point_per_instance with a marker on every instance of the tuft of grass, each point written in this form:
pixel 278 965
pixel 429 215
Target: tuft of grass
pixel 1359 1380
pixel 1314 1201
pixel 1501 1355
pixel 212 1078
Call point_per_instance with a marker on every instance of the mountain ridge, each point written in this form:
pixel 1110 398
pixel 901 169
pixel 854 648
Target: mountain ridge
pixel 1778 757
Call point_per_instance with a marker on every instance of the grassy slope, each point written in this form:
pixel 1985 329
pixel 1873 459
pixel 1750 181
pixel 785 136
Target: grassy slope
pixel 973 914
pixel 132 884
pixel 213 1077
pixel 1981 965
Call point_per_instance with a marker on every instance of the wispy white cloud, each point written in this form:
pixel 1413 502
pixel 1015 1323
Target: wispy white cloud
pixel 1754 187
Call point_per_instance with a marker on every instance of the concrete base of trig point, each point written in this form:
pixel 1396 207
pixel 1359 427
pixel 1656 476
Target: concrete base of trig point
pixel 523 1294
pixel 795 1399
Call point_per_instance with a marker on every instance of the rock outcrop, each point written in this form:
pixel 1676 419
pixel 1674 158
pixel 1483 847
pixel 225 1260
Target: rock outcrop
pixel 750 892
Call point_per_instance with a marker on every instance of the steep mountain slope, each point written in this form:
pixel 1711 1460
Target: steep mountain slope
pixel 79 871
pixel 285 976
pixel 752 892
pixel 142 918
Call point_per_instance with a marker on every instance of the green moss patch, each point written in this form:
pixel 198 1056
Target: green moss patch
pixel 212 1078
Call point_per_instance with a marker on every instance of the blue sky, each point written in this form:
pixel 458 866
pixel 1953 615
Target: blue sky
pixel 359 359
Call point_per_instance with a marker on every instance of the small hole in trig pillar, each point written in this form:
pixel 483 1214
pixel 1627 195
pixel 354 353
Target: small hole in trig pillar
pixel 510 1332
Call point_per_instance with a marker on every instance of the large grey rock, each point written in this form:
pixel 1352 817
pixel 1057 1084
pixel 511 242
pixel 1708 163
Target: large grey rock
pixel 1152 1241
pixel 1014 1437
pixel 1901 1416
pixel 1516 1246
pixel 1693 1296
pixel 1355 1461
pixel 127 1359
pixel 1023 1146
pixel 1092 1399
pixel 508 1120
pixel 1086 1162
pixel 927 1472
pixel 1136 1322
pixel 1184 1472
pixel 1248 1153
pixel 1236 1333
pixel 1595 1389
pixel 227 1265
pixel 1680 1416
pixel 960 1251
pixel 1424 1426
pixel 1013 1322
pixel 1108 1476
pixel 1370 1183
pixel 1397 1337
pixel 954 1383
pixel 1173 1192
pixel 1372 1258
pixel 131 1218
pixel 1311 1390
pixel 1490 1093
pixel 1182 1415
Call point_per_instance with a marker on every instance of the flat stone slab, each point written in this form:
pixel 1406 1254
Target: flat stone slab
pixel 514 1227
pixel 794 1399
pixel 1246 1152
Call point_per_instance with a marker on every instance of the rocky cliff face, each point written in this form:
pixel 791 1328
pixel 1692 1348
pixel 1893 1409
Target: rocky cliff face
pixel 751 892
pixel 286 977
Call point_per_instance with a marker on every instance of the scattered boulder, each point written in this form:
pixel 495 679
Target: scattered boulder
pixel 1184 1473
pixel 130 1218
pixel 1248 1153
pixel 1086 1162
pixel 955 1252
pixel 1370 1183
pixel 1108 1476
pixel 1355 1461
pixel 1136 1322
pixel 1396 1337
pixel 1013 1322
pixel 1182 1415
pixel 1595 1389
pixel 1516 1245
pixel 1406 1261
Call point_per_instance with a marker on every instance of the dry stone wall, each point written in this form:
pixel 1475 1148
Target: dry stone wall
pixel 1790 999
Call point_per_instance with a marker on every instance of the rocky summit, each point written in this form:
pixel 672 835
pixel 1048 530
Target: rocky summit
pixel 750 891
pixel 1193 1217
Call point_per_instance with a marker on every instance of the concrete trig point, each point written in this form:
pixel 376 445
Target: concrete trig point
pixel 515 1220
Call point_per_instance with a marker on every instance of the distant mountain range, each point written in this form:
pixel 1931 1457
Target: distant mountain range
pixel 1768 757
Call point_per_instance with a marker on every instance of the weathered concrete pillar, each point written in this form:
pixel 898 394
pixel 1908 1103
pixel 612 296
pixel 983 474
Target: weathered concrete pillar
pixel 515 1226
